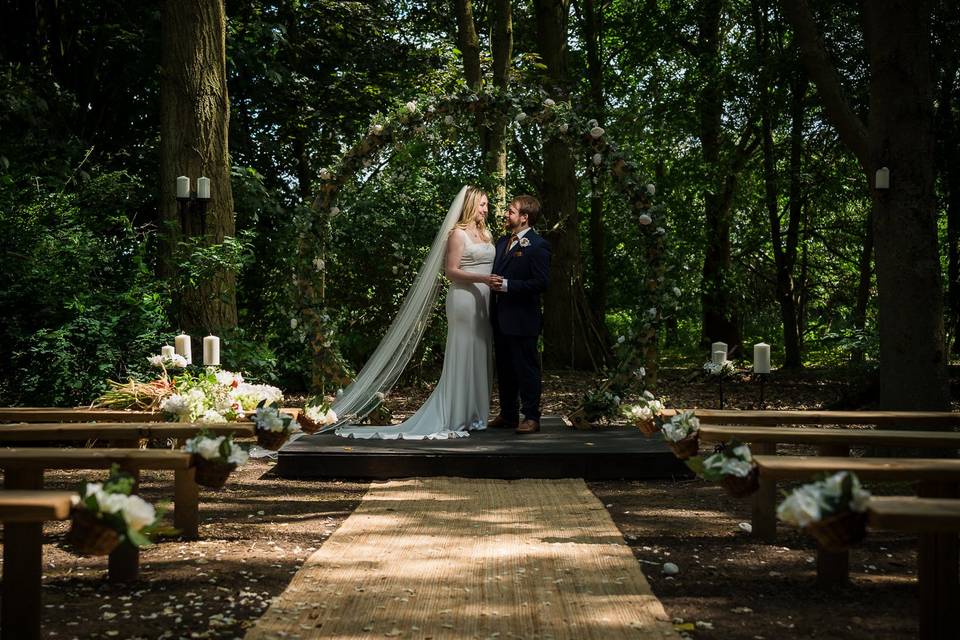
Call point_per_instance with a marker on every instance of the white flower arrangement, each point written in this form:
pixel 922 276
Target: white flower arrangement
pixel 733 459
pixel 320 414
pixel 112 504
pixel 680 426
pixel 269 418
pixel 216 448
pixel 721 369
pixel 647 408
pixel 835 494
pixel 176 361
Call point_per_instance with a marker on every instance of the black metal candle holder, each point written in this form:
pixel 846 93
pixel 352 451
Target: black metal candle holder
pixel 762 379
pixel 193 206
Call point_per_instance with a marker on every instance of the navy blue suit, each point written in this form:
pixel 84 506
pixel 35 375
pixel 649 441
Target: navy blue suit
pixel 517 321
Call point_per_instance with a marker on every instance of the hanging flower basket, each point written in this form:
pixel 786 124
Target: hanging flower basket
pixel 308 425
pixel 212 474
pixel 687 447
pixel 648 427
pixel 272 440
pixel 839 531
pixel 89 536
pixel 740 486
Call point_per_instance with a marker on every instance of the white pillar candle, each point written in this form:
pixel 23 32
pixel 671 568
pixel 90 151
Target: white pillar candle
pixel 719 346
pixel 182 343
pixel 203 188
pixel 183 187
pixel 211 351
pixel 719 357
pixel 761 358
pixel 167 351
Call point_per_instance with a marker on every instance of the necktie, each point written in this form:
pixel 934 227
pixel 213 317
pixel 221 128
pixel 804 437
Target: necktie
pixel 513 239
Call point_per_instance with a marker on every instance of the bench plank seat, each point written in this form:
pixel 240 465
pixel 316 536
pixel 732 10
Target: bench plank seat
pixel 822 436
pixel 117 430
pixel 933 470
pixel 78 414
pixel 23 514
pixel 35 506
pixel 927 419
pixel 55 458
pixel 918 515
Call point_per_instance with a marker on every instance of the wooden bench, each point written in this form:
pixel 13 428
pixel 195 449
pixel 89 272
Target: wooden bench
pixel 829 442
pixel 887 419
pixel 935 478
pixel 23 470
pixel 128 435
pixel 77 414
pixel 23 514
pixel 926 516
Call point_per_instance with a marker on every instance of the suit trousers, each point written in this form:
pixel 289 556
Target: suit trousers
pixel 518 375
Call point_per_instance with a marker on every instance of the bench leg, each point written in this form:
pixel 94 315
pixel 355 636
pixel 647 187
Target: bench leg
pixel 937 573
pixel 764 507
pixel 124 562
pixel 186 509
pixel 833 567
pixel 21 605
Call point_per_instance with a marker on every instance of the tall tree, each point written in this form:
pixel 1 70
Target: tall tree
pixel 501 43
pixel 194 115
pixel 724 166
pixel 591 19
pixel 569 330
pixel 913 357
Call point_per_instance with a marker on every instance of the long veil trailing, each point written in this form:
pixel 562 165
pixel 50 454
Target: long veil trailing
pixel 396 348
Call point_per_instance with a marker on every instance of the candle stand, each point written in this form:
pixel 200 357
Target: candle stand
pixel 720 386
pixel 762 379
pixel 193 206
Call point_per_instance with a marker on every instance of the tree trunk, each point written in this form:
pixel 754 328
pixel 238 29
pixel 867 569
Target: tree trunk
pixel 865 271
pixel 592 37
pixel 570 335
pixel 718 318
pixel 948 155
pixel 913 359
pixel 501 41
pixel 469 43
pixel 194 115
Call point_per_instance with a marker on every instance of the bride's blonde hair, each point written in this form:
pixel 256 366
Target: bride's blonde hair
pixel 471 201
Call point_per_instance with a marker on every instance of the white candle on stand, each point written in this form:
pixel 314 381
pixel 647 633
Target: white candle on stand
pixel 183 347
pixel 183 187
pixel 203 188
pixel 167 351
pixel 719 357
pixel 761 358
pixel 719 346
pixel 211 351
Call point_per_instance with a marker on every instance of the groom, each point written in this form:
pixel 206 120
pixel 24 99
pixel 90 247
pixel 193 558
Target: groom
pixel 523 266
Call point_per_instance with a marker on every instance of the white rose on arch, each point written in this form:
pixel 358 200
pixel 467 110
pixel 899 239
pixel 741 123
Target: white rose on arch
pixel 520 117
pixel 596 132
pixel 325 174
pixel 651 189
pixel 592 123
pixel 549 103
pixel 644 219
pixel 412 106
pixel 376 129
pixel 448 119
pixel 598 159
pixel 334 212
pixel 563 127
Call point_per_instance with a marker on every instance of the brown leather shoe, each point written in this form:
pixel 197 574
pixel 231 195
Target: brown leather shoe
pixel 528 426
pixel 500 423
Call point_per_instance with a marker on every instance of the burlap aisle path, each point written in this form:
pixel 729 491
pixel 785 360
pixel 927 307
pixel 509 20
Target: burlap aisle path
pixel 469 558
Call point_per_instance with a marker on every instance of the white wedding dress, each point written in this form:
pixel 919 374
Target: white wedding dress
pixel 461 400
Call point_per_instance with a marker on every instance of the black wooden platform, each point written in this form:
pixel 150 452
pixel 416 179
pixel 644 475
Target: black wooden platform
pixel 556 452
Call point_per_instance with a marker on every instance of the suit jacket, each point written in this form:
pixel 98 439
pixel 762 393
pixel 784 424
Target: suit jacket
pixel 527 271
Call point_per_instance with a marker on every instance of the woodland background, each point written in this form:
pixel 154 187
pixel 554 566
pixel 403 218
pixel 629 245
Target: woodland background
pixel 772 222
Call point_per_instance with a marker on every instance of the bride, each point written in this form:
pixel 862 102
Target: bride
pixel 461 400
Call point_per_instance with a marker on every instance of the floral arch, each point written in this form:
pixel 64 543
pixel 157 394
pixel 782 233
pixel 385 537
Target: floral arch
pixel 602 159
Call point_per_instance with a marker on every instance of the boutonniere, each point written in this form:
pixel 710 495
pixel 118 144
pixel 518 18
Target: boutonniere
pixel 524 242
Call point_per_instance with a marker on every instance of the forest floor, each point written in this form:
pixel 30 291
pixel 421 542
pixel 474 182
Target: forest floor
pixel 257 531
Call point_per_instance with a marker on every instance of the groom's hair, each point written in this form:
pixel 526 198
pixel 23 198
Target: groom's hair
pixel 528 206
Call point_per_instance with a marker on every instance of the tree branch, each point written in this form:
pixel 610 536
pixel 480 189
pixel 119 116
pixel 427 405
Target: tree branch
pixel 816 59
